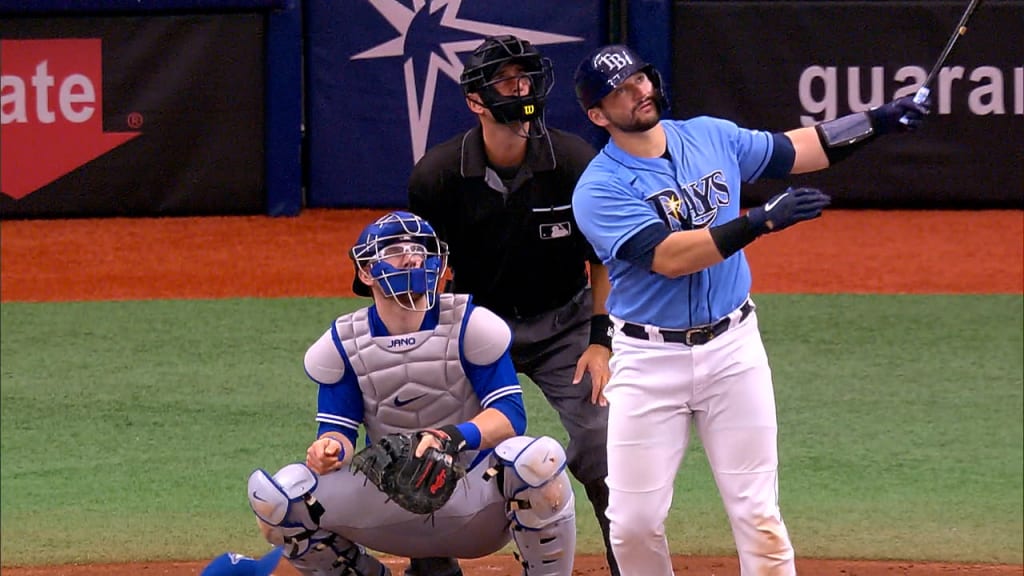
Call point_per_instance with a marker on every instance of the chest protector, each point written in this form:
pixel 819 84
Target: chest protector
pixel 411 381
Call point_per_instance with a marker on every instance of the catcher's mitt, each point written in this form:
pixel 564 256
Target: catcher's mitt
pixel 420 485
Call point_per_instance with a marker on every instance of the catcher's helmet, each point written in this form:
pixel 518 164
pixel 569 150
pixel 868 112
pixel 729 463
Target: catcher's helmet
pixel 400 234
pixel 478 76
pixel 606 68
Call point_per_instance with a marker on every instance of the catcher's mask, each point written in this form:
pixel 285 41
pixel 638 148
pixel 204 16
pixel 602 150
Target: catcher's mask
pixel 404 256
pixel 606 68
pixel 481 74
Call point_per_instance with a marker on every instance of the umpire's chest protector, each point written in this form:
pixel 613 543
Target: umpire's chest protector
pixel 412 381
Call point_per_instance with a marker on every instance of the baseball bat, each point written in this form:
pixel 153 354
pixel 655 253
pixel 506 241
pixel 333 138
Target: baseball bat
pixel 961 28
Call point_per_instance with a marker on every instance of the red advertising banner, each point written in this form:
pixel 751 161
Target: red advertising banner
pixel 103 116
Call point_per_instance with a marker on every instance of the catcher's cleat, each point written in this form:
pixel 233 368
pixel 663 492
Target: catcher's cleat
pixel 433 567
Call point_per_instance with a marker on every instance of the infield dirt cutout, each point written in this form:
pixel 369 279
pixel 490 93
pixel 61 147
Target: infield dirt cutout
pixel 256 256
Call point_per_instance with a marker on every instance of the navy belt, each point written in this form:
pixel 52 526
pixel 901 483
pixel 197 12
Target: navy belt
pixel 696 336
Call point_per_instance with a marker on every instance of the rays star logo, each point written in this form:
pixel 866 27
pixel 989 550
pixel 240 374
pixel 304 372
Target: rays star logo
pixel 430 38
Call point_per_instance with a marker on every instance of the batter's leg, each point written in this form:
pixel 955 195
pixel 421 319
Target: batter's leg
pixel 648 432
pixel 737 424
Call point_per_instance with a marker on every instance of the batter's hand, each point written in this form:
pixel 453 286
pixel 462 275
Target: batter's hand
pixel 887 117
pixel 788 208
pixel 325 455
pixel 594 360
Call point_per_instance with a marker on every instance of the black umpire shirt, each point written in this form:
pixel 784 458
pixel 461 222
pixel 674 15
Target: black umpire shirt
pixel 514 243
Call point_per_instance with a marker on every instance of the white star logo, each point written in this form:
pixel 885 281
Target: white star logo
pixel 443 59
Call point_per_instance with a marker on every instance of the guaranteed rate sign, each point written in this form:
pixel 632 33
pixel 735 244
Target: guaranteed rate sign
pixel 127 115
pixel 51 111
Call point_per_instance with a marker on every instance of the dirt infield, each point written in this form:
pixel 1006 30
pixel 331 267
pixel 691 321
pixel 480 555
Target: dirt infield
pixel 218 257
pixel 585 566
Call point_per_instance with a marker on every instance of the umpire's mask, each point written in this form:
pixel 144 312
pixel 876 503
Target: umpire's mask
pixel 403 255
pixel 487 68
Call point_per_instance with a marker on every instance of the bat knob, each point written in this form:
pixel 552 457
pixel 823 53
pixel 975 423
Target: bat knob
pixel 919 98
pixel 922 94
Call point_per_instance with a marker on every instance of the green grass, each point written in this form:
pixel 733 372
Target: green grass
pixel 128 428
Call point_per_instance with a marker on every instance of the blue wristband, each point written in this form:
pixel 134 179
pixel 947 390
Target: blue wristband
pixel 341 447
pixel 472 435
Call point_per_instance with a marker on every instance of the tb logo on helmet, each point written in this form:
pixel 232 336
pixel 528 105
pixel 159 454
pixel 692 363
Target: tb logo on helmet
pixel 607 68
pixel 613 60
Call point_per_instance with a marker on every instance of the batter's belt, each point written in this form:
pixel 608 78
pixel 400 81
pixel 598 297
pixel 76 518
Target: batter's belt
pixel 696 336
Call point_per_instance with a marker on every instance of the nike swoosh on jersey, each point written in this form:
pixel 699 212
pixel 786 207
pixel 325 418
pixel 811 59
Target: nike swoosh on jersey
pixel 399 402
pixel 771 203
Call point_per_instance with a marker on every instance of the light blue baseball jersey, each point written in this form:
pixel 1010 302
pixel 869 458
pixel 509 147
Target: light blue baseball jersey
pixel 619 195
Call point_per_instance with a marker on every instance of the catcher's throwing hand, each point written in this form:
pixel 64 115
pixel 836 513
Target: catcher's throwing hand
pixel 325 455
pixel 420 483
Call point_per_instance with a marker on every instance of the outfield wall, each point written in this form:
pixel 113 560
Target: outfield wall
pixel 192 107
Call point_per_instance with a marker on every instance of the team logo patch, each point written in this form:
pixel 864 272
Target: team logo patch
pixel 556 230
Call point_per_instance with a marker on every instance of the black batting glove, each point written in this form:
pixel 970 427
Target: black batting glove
pixel 886 118
pixel 788 208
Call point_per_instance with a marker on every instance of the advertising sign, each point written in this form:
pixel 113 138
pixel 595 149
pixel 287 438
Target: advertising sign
pixel 106 116
pixel 792 64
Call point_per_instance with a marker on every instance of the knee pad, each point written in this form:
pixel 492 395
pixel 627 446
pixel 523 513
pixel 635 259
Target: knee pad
pixel 541 504
pixel 285 505
pixel 535 482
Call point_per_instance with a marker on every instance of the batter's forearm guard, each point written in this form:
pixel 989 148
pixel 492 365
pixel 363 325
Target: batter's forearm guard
pixel 845 131
pixel 841 137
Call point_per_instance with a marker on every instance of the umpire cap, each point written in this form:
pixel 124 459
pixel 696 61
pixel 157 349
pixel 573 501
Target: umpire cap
pixel 606 68
pixel 231 564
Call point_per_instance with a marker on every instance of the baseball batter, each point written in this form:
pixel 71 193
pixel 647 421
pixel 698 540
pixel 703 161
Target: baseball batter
pixel 661 206
pixel 413 361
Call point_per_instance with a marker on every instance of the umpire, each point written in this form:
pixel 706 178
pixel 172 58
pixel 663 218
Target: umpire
pixel 500 195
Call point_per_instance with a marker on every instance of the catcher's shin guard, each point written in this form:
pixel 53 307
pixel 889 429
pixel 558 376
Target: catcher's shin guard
pixel 336 556
pixel 541 504
pixel 290 516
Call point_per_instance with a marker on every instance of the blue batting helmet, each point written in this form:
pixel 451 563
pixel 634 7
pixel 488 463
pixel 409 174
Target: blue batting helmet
pixel 606 68
pixel 231 564
pixel 400 234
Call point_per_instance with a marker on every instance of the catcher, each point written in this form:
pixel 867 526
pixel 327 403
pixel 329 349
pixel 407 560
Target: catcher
pixel 446 471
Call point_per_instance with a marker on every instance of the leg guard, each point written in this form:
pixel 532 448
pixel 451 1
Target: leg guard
pixel 289 515
pixel 541 504
pixel 336 556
